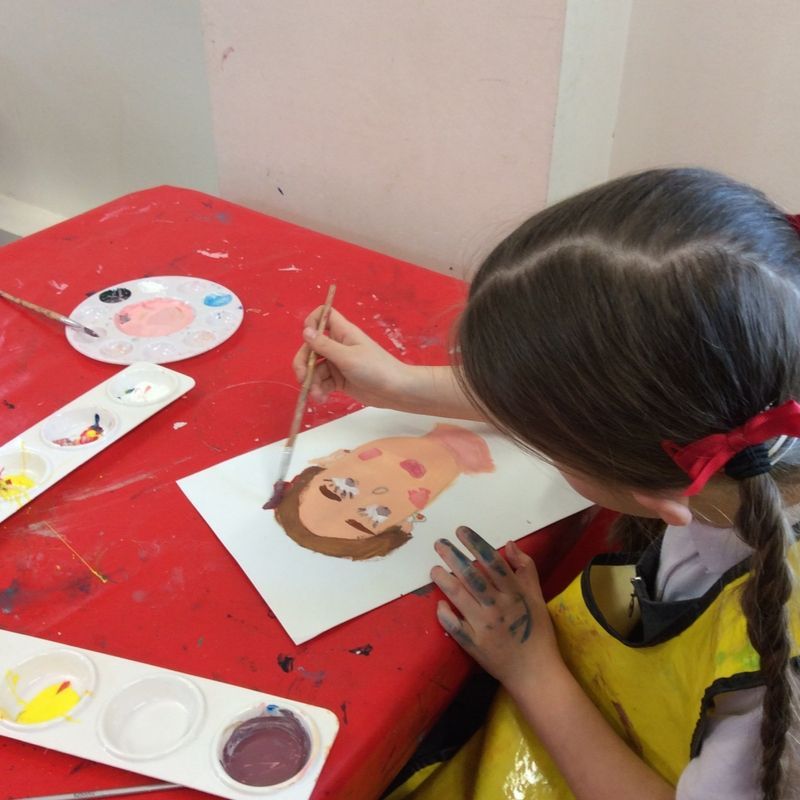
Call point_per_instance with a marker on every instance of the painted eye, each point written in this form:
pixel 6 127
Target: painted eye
pixel 375 514
pixel 344 487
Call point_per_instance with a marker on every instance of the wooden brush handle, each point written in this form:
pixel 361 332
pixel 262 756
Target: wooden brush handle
pixel 46 312
pixel 310 364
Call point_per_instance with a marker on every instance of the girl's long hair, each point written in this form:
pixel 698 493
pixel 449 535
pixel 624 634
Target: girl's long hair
pixel 663 305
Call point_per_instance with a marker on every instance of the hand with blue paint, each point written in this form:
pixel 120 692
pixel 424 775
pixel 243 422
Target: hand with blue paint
pixel 504 623
pixel 353 363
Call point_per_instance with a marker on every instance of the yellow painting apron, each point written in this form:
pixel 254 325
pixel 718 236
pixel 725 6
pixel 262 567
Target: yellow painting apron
pixel 652 668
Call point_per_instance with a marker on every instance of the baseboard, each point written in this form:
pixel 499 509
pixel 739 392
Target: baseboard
pixel 22 219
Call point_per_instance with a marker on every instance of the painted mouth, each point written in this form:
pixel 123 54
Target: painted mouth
pixel 359 527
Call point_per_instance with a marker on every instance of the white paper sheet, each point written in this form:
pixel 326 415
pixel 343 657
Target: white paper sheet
pixel 310 592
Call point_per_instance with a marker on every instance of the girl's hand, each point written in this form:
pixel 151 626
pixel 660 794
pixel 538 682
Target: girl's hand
pixel 504 624
pixel 354 363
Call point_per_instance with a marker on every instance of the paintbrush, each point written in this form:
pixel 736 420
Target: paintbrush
pixel 281 484
pixel 150 787
pixel 46 312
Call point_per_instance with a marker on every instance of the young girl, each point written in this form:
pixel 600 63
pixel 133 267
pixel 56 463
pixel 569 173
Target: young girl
pixel 644 336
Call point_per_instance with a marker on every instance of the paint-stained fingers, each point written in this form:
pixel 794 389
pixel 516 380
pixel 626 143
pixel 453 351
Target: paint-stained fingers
pixel 456 592
pixel 459 629
pixel 524 566
pixel 495 565
pixel 467 573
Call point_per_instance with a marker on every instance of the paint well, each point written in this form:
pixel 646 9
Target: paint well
pixel 45 689
pixel 52 702
pixel 217 300
pixel 77 427
pixel 115 295
pixel 161 316
pixel 21 472
pixel 142 386
pixel 15 488
pixel 266 750
pixel 152 717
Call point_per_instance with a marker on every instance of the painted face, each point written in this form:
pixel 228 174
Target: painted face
pixel 380 484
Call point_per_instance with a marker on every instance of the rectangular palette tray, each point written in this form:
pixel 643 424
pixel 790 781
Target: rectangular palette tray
pixel 157 722
pixel 40 456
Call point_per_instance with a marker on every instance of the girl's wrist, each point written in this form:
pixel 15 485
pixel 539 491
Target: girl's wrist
pixel 540 683
pixel 413 388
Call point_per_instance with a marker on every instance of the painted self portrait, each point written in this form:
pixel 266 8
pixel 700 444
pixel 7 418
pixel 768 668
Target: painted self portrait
pixel 365 502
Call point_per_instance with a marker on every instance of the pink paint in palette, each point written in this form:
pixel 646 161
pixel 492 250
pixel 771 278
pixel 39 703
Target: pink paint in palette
pixel 160 320
pixel 40 456
pixel 215 737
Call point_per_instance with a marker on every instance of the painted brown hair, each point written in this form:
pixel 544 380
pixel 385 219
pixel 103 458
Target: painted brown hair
pixel 288 515
pixel 663 305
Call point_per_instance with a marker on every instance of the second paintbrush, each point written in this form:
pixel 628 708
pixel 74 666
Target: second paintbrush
pixel 46 312
pixel 280 485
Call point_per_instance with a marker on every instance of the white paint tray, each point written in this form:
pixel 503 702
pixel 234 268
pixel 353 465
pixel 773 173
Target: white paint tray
pixel 157 722
pixel 39 457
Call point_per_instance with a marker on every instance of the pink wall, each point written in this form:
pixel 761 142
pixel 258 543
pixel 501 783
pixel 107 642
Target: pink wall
pixel 419 129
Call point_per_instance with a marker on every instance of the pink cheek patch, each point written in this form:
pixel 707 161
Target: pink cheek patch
pixel 413 467
pixel 366 455
pixel 419 497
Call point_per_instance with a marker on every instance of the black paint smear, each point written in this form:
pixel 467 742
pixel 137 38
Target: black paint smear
pixel 8 404
pixel 343 706
pixel 115 295
pixel 364 650
pixel 79 766
pixel 280 190
pixel 286 663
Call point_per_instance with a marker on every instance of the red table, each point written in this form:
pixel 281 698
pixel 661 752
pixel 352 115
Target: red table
pixel 175 597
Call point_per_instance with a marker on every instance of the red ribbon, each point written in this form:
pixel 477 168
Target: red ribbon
pixel 703 458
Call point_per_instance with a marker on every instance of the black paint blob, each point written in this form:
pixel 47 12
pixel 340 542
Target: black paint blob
pixel 286 663
pixel 115 295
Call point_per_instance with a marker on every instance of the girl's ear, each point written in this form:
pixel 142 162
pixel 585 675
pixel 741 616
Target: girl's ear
pixel 672 508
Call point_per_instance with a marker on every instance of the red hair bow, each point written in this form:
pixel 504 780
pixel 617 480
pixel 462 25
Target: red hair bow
pixel 703 458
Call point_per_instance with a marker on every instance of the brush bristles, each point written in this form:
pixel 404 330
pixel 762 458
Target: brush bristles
pixel 278 490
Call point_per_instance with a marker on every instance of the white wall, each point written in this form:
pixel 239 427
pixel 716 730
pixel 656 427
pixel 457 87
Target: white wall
pixel 592 60
pixel 421 129
pixel 714 83
pixel 101 97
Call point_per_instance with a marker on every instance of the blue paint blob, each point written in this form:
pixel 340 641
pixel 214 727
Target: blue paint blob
pixel 216 300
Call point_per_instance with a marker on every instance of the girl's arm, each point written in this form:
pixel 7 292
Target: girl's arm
pixel 357 365
pixel 506 627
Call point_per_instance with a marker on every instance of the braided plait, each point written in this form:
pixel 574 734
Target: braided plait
pixel 762 524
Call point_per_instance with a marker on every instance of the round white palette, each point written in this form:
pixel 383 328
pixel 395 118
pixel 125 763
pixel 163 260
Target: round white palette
pixel 160 319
